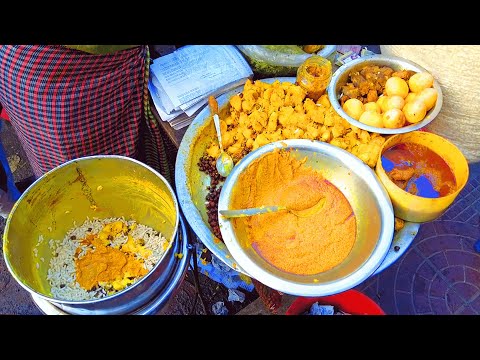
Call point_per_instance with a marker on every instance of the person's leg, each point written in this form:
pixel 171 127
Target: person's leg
pixel 155 146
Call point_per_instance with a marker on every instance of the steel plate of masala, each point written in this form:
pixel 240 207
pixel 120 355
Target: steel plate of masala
pixel 330 250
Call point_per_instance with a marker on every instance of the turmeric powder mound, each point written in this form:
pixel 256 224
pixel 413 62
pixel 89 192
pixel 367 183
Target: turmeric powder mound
pixel 109 265
pixel 303 246
pixel 106 264
pixel 101 257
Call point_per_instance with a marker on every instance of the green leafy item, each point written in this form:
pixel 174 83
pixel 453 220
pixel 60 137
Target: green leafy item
pixel 269 63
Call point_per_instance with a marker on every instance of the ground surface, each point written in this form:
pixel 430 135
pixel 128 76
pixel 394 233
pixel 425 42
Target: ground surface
pixel 440 272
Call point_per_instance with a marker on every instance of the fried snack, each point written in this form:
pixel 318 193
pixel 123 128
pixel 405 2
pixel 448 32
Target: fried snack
pixel 310 49
pixel 368 83
pixel 264 113
pixel 404 74
pixel 399 224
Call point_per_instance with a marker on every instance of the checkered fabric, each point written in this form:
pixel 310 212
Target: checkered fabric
pixel 65 104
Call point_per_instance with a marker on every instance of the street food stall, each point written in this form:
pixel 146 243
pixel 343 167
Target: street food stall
pixel 199 199
pixel 305 175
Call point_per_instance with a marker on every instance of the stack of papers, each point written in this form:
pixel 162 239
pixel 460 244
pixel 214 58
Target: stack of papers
pixel 181 82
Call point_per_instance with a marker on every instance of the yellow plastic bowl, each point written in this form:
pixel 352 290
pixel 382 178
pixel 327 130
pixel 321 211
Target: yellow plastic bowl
pixel 416 208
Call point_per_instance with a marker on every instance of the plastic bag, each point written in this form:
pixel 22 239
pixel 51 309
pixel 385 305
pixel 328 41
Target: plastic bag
pixel 280 60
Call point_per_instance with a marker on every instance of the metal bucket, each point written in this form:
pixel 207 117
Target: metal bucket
pixel 96 186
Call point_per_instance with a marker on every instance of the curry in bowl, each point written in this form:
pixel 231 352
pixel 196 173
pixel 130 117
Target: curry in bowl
pixel 423 173
pixel 418 170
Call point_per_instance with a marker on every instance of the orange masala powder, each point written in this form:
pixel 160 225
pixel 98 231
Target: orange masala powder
pixel 106 264
pixel 303 246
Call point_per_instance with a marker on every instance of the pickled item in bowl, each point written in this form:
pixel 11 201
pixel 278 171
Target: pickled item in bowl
pixel 396 86
pixel 354 108
pixel 393 119
pixel 420 81
pixel 415 111
pixel 428 96
pixel 371 118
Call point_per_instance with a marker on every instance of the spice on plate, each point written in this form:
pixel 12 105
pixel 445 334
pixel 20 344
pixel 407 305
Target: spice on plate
pixel 298 245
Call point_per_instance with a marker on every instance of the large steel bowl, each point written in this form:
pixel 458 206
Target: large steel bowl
pixel 368 198
pixel 340 78
pixel 96 186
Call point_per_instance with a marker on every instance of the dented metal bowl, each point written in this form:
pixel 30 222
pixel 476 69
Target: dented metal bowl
pixel 368 198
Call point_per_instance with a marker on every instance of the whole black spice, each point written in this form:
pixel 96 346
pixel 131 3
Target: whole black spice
pixel 206 164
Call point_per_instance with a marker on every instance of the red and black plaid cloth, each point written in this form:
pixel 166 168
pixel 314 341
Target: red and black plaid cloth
pixel 66 104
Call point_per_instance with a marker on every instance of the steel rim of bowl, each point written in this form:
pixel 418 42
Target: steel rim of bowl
pixel 107 298
pixel 370 265
pixel 332 95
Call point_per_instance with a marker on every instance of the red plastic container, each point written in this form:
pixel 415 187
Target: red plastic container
pixel 352 302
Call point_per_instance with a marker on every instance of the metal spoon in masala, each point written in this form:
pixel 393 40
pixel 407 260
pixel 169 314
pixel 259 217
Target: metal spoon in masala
pixel 224 162
pixel 269 209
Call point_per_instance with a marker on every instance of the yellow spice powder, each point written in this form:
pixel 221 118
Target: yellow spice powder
pixel 303 246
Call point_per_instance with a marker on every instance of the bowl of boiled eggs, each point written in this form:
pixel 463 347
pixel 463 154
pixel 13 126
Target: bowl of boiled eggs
pixel 385 94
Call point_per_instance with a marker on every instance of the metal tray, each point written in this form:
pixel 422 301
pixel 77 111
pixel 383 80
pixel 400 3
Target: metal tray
pixel 191 186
